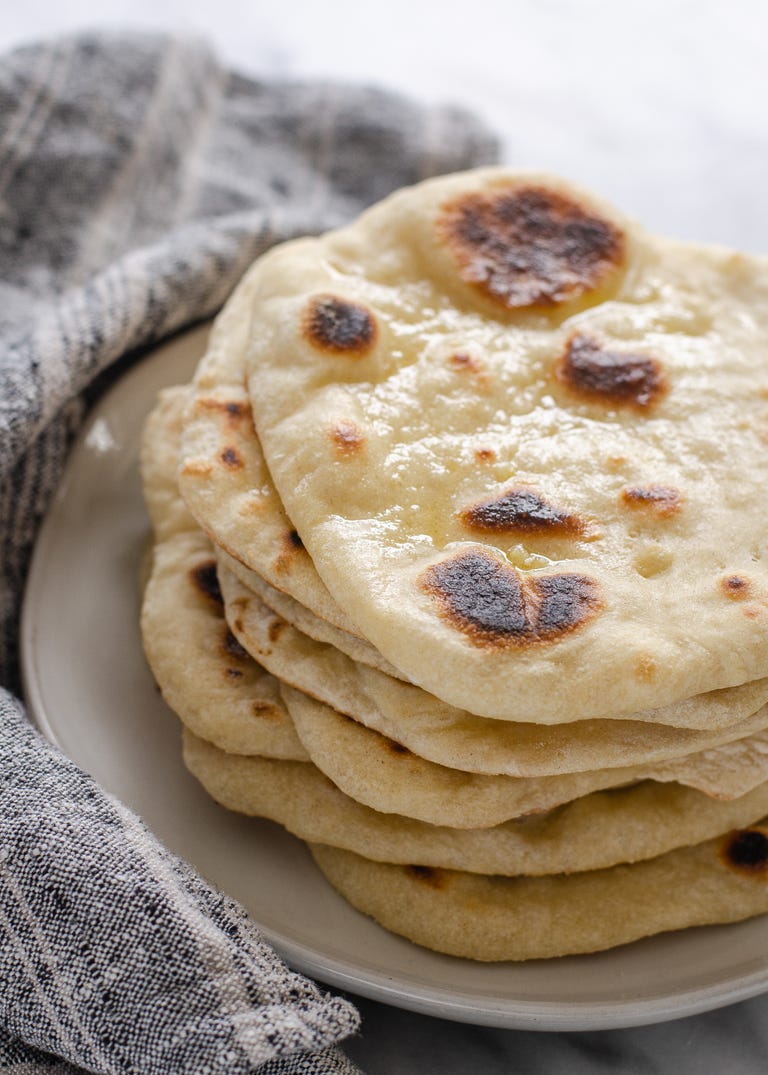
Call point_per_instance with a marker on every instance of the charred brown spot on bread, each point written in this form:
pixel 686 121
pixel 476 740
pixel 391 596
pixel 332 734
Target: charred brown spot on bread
pixel 485 455
pixel 347 437
pixel 645 668
pixel 197 468
pixel 737 587
pixel 254 503
pixel 291 545
pixel 661 501
pixel 275 629
pixel 264 710
pixel 231 458
pixel 530 246
pixel 427 875
pixel 746 851
pixel 497 606
pixel 462 361
pixel 622 378
pixel 233 410
pixel 520 511
pixel 234 673
pixel 206 580
pixel 337 325
pixel 231 647
pixel 397 748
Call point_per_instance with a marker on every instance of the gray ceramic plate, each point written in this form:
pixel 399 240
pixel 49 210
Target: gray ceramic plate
pixel 89 689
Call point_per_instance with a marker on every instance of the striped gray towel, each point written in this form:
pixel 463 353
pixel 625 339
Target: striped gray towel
pixel 138 179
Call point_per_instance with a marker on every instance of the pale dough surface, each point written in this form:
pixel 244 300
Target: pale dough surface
pixel 504 918
pixel 376 771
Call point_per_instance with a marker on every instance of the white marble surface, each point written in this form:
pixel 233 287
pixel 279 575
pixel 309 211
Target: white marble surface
pixel 661 107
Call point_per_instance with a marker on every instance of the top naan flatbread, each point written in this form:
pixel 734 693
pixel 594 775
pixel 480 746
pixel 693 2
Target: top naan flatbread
pixel 524 444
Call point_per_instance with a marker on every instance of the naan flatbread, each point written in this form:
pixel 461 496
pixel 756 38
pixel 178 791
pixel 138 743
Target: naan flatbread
pixel 377 771
pixel 224 480
pixel 451 737
pixel 203 673
pixel 523 443
pixel 506 918
pixel 591 833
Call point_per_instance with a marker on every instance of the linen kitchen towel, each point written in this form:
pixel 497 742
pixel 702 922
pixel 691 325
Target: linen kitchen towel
pixel 138 179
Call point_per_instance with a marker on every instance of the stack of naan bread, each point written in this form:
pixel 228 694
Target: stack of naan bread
pixel 460 566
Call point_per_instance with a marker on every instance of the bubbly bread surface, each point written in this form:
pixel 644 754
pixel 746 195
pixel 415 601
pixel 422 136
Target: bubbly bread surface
pixel 522 441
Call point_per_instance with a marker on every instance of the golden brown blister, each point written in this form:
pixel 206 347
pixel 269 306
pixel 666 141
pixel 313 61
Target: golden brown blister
pixel 526 245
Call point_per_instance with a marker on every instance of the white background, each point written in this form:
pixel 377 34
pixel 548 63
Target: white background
pixel 662 107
